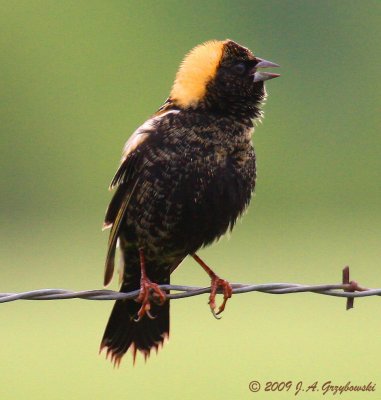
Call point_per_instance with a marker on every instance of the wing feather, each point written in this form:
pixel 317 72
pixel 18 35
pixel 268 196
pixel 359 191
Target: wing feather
pixel 114 234
pixel 125 181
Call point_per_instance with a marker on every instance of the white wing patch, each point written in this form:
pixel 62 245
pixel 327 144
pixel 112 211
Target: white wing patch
pixel 141 134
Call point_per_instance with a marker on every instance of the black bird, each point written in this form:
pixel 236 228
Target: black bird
pixel 186 175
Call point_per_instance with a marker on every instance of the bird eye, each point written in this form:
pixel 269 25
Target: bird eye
pixel 239 68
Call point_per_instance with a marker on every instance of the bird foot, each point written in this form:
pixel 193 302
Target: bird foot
pixel 148 289
pixel 227 291
pixel 216 283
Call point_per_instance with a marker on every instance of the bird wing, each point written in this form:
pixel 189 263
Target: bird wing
pixel 122 204
pixel 125 180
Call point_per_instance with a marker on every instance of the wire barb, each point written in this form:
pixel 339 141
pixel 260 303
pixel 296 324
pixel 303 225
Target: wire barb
pixel 347 289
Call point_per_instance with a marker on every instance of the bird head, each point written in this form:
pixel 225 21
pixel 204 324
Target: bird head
pixel 221 76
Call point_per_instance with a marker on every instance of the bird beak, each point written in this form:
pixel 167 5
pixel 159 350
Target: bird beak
pixel 260 76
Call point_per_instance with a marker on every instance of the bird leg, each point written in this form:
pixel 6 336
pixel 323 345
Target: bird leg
pixel 216 283
pixel 147 287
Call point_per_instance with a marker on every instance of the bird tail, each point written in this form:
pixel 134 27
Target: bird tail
pixel 124 332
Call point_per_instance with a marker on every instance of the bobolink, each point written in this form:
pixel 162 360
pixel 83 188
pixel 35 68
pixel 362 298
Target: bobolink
pixel 186 175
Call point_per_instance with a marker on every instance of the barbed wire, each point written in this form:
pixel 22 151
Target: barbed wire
pixel 348 289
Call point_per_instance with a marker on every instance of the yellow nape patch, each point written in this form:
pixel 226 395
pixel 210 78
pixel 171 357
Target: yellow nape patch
pixel 197 69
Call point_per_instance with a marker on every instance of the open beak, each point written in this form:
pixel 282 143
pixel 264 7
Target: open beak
pixel 260 76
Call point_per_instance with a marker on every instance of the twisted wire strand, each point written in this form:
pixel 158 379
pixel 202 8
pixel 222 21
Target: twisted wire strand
pixel 347 289
pixel 338 290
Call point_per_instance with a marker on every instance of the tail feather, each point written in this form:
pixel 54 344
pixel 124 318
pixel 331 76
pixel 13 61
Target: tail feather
pixel 123 332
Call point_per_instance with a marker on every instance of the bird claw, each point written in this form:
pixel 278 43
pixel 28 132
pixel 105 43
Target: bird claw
pixel 227 291
pixel 146 288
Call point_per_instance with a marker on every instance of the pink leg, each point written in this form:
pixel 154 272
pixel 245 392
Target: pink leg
pixel 216 282
pixel 146 286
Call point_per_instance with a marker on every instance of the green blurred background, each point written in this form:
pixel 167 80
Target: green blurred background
pixel 77 77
